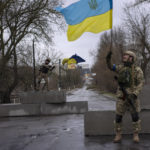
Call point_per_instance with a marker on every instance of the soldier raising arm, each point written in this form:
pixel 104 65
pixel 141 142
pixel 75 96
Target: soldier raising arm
pixel 130 80
pixel 43 73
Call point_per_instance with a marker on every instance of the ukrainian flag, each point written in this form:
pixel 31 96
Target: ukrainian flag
pixel 87 16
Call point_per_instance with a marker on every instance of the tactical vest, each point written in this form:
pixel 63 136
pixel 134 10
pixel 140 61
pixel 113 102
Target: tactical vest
pixel 44 68
pixel 125 77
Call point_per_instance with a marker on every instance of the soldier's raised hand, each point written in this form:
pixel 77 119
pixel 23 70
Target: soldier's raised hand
pixel 108 57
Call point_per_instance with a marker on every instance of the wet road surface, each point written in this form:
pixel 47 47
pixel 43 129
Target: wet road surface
pixel 95 100
pixel 64 132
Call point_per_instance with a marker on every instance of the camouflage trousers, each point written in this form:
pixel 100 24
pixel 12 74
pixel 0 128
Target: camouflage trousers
pixel 45 77
pixel 135 125
pixel 121 107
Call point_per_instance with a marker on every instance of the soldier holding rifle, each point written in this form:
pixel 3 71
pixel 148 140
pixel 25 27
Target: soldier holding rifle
pixel 43 73
pixel 130 80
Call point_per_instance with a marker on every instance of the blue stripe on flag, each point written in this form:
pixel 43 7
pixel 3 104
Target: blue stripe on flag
pixel 79 11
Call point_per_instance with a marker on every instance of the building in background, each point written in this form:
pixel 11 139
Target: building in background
pixel 86 71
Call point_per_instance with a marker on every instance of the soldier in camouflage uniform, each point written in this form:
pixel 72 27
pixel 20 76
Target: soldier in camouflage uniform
pixel 43 73
pixel 130 79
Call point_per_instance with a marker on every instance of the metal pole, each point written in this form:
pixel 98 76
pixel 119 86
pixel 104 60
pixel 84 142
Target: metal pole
pixel 111 42
pixel 59 84
pixel 34 75
pixel 111 31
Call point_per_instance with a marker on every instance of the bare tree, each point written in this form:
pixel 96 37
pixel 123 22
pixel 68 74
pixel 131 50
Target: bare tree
pixel 137 24
pixel 104 77
pixel 139 2
pixel 25 63
pixel 21 19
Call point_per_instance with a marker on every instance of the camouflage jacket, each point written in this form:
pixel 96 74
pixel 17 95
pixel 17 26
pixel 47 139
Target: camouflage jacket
pixel 136 82
pixel 44 68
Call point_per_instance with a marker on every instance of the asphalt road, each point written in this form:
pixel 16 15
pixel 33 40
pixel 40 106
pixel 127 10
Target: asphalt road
pixel 95 100
pixel 64 132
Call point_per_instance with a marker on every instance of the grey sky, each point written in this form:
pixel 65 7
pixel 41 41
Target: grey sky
pixel 88 41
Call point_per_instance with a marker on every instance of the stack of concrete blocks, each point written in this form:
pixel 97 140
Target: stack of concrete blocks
pixel 101 122
pixel 43 103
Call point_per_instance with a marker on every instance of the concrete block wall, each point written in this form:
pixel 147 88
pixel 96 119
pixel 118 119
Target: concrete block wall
pixel 101 122
pixel 66 108
pixel 11 110
pixel 145 96
pixel 38 97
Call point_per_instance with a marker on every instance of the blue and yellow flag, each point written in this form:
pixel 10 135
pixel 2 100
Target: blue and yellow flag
pixel 87 16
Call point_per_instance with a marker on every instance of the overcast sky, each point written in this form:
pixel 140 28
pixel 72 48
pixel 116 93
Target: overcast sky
pixel 88 41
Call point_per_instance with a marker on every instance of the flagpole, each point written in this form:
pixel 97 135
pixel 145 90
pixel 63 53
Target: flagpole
pixel 111 40
pixel 111 31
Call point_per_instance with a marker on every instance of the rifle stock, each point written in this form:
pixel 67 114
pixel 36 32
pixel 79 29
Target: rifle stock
pixel 127 98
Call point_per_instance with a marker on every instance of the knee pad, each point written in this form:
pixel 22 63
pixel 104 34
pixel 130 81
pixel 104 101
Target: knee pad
pixel 118 118
pixel 135 117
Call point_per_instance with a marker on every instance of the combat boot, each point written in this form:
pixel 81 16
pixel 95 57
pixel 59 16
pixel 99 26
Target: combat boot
pixel 38 86
pixel 118 129
pixel 118 137
pixel 136 129
pixel 136 137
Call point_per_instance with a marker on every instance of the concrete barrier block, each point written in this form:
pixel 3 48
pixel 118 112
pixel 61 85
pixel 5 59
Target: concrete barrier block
pixel 38 97
pixel 9 110
pixel 145 96
pixel 101 122
pixel 79 107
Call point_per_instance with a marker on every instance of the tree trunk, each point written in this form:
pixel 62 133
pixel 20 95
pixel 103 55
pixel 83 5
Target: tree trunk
pixel 144 68
pixel 3 82
pixel 5 97
pixel 5 88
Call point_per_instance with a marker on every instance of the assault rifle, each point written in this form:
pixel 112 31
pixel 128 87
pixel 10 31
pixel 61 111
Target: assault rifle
pixel 125 95
pixel 130 101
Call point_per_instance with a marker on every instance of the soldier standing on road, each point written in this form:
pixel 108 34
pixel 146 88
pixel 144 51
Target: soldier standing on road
pixel 130 79
pixel 43 73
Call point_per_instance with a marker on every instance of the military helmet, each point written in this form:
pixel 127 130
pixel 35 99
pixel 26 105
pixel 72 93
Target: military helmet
pixel 48 59
pixel 131 53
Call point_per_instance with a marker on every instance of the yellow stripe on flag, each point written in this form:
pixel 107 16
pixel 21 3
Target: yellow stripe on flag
pixel 93 24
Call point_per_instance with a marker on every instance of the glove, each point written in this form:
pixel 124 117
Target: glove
pixel 108 57
pixel 53 67
pixel 132 97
